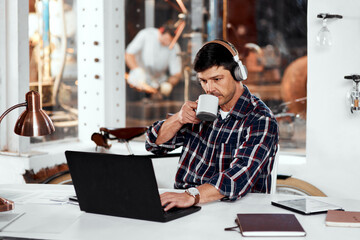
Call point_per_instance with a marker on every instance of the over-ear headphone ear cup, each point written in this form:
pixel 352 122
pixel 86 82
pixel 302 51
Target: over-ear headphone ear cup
pixel 240 72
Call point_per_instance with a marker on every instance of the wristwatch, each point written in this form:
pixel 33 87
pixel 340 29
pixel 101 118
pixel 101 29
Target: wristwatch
pixel 194 192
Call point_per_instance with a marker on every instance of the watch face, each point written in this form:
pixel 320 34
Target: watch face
pixel 193 191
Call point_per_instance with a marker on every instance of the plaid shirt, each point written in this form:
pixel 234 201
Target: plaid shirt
pixel 234 154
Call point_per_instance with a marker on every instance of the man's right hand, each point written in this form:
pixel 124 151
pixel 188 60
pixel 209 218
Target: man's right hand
pixel 187 113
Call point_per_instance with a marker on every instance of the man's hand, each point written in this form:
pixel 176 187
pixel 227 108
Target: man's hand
pixel 137 79
pixel 208 193
pixel 187 113
pixel 144 87
pixel 166 88
pixel 172 199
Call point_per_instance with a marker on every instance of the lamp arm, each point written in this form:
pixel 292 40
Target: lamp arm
pixel 12 108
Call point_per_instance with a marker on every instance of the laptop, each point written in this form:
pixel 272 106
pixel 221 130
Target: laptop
pixel 119 185
pixel 306 206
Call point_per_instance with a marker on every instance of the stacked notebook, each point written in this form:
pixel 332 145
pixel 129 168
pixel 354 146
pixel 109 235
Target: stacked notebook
pixel 342 219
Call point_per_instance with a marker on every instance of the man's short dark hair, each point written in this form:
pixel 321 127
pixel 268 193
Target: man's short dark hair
pixel 214 54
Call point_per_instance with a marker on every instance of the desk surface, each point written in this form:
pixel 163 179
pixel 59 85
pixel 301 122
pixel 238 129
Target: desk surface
pixel 53 219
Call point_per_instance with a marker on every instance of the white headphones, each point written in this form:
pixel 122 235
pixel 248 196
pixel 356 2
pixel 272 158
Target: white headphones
pixel 240 72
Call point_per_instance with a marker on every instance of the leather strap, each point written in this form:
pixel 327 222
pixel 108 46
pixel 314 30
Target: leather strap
pixel 197 198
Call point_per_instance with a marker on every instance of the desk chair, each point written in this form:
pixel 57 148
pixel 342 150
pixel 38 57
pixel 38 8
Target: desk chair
pixel 120 134
pixel 101 139
pixel 286 184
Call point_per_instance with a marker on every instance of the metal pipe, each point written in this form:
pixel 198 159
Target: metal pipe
pixel 225 5
pixel 187 71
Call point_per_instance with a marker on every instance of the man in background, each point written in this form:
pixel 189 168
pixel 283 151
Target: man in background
pixel 149 56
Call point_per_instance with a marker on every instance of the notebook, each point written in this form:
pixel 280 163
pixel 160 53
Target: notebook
pixel 342 219
pixel 119 185
pixel 269 225
pixel 305 206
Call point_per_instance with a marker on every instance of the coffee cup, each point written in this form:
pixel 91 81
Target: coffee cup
pixel 207 107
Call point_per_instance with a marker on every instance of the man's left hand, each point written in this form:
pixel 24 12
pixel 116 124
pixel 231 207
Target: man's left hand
pixel 180 200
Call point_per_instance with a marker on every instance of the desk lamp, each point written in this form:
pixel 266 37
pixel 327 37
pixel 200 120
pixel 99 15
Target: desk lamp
pixel 32 122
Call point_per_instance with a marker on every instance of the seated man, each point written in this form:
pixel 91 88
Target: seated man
pixel 229 157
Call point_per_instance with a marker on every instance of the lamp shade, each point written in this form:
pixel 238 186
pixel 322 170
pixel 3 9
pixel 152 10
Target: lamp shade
pixel 33 121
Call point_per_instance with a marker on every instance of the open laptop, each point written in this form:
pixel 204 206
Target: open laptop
pixel 119 185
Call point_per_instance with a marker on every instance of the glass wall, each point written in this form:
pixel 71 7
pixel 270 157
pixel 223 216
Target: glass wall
pixel 271 37
pixel 145 107
pixel 53 63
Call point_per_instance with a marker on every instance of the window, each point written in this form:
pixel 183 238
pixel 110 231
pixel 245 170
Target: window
pixel 53 64
pixel 271 37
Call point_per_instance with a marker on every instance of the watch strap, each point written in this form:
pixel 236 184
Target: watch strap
pixel 197 199
pixel 196 196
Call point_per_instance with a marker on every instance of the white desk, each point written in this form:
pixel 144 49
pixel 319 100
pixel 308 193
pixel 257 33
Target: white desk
pixel 66 221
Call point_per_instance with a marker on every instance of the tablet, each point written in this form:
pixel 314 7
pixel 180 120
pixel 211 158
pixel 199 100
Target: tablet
pixel 306 206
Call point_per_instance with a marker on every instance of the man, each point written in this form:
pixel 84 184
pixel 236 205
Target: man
pixel 149 56
pixel 226 158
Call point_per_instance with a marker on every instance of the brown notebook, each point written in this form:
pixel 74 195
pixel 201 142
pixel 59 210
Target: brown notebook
pixel 269 225
pixel 342 219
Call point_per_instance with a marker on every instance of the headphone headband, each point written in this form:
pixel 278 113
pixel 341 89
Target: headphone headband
pixel 240 72
pixel 227 45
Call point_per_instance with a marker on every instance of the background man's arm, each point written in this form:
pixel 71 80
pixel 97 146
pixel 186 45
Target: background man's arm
pixel 174 79
pixel 130 61
pixel 134 81
pixel 167 87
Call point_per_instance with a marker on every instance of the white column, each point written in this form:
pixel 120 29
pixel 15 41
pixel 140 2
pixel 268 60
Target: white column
pixel 101 66
pixel 14 70
pixel 149 13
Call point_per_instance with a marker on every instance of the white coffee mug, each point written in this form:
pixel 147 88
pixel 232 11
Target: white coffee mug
pixel 207 107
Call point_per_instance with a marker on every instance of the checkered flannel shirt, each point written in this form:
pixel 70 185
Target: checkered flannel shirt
pixel 235 154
